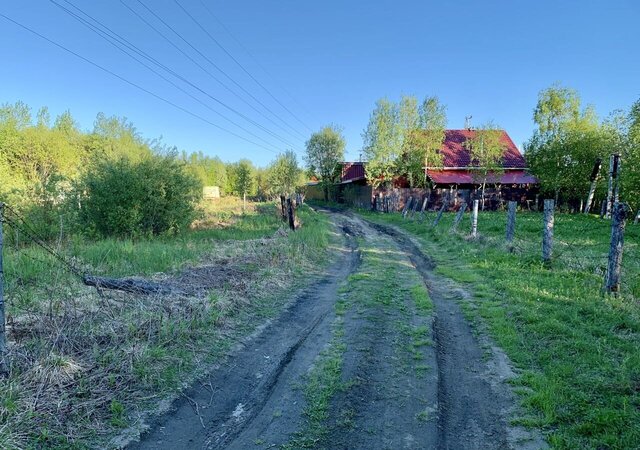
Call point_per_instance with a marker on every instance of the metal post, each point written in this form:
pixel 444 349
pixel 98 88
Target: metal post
pixel 4 363
pixel 612 281
pixel 474 219
pixel 547 236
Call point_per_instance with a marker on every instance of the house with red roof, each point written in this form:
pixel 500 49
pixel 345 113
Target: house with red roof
pixel 459 170
pixel 458 179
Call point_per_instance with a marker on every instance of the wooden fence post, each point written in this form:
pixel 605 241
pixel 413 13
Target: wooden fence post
pixel 406 207
pixel 511 221
pixel 612 280
pixel 4 363
pixel 416 207
pixel 283 208
pixel 614 163
pixel 439 216
pixel 547 237
pixel 292 214
pixel 459 215
pixel 474 219
pixel 424 206
pixel 594 181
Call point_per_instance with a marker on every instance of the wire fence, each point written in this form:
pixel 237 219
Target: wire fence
pixel 581 243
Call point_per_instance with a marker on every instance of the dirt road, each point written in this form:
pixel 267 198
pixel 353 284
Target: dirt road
pixel 376 355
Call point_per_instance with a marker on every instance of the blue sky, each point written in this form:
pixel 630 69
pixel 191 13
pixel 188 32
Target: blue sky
pixel 327 62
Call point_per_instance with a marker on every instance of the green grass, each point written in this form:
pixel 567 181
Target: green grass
pixel 383 282
pixel 577 351
pixel 125 353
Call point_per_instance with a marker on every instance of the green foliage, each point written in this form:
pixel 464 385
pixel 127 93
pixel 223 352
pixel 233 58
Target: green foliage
pixel 283 174
pixel 243 182
pixel 382 142
pixel 562 151
pixel 210 171
pixel 126 198
pixel 324 152
pixel 486 150
pixel 402 138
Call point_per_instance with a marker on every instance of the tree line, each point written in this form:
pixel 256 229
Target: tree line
pixel 402 138
pixel 111 181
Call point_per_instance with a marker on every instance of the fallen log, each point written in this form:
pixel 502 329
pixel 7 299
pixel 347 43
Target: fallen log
pixel 131 285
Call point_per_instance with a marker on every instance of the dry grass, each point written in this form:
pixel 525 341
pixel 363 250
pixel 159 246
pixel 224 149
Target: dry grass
pixel 86 364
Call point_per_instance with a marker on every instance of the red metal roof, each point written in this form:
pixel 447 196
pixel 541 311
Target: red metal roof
pixel 352 171
pixel 467 177
pixel 457 155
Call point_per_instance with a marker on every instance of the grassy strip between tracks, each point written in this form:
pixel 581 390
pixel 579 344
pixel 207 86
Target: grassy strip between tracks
pixel 577 352
pixel 384 281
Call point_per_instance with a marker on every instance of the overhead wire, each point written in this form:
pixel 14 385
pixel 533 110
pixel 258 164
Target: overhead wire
pixel 131 83
pixel 202 55
pixel 251 55
pixel 215 41
pixel 123 41
pixel 111 36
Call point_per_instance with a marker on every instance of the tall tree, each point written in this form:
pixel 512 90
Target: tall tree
pixel 284 173
pixel 565 144
pixel 486 150
pixel 324 153
pixel 243 179
pixel 382 142
pixel 422 144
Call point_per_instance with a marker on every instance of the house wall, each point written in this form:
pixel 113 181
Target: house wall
pixel 394 199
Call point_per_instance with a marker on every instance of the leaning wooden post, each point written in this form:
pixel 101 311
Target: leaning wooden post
pixel 547 237
pixel 511 221
pixel 424 207
pixel 406 207
pixel 416 207
pixel 459 215
pixel 616 178
pixel 439 216
pixel 612 168
pixel 594 182
pixel 283 208
pixel 4 363
pixel 612 280
pixel 292 214
pixel 474 219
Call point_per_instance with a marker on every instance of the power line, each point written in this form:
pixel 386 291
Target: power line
pixel 125 42
pixel 131 83
pixel 246 50
pixel 203 56
pixel 240 65
pixel 121 41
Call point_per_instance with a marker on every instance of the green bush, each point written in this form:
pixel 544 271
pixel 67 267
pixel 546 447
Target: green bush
pixel 149 197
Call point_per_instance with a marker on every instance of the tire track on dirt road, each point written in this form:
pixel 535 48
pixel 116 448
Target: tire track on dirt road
pixel 259 380
pixel 474 404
